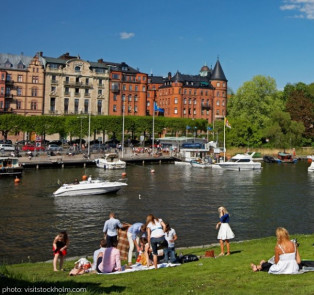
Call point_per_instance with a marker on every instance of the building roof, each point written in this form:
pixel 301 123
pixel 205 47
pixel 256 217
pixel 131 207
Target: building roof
pixel 218 73
pixel 156 79
pixel 15 61
pixel 205 68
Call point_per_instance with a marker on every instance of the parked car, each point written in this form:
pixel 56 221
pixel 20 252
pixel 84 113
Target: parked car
pixel 112 143
pixel 54 147
pixel 98 147
pixel 32 147
pixel 7 147
pixel 8 141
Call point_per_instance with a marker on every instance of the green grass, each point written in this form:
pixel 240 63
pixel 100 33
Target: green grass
pixel 225 275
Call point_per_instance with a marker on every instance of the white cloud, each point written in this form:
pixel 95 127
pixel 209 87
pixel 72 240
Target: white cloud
pixel 304 8
pixel 125 35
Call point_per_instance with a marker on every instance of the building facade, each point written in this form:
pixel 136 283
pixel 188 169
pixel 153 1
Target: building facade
pixel 22 84
pixel 128 91
pixel 202 96
pixel 75 86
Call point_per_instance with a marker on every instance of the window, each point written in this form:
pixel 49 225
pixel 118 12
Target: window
pixel 206 93
pixel 217 102
pixel 194 100
pixel 114 108
pixel 190 91
pixel 86 101
pixel 99 107
pixel 130 98
pixel 218 84
pixel 2 77
pixel 224 84
pixel 136 88
pixel 184 111
pixel 8 64
pixel 53 78
pixel 124 87
pixel 34 105
pixel 34 91
pixel 77 91
pixel 77 80
pixel 139 78
pixel 135 97
pixel 144 78
pixel 144 88
pixel 184 101
pixel 148 103
pixel 217 112
pixel 86 92
pixel 18 104
pixel 135 109
pixel 53 66
pixel 19 91
pixel 176 100
pixel 66 90
pixel 9 78
pixel 175 110
pixel 8 91
pixel 194 111
pixel 76 105
pixel 67 79
pixel 115 76
pixel 130 87
pixel 148 94
pixel 189 111
pixel 114 97
pixel 35 79
pixel 223 103
pixel 77 69
pixel 218 94
pixel 19 78
pixel 201 92
pixel 52 104
pixel 123 97
pixel 129 109
pixel 100 82
pixel 194 92
pixel 66 105
pixel 190 101
pixel 99 92
pixel 87 81
pixel 2 90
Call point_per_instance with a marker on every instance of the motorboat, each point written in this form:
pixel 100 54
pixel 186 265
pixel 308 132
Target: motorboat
pixel 110 161
pixel 270 159
pixel 182 163
pixel 200 164
pixel 241 162
pixel 89 187
pixel 9 166
pixel 286 158
pixel 311 167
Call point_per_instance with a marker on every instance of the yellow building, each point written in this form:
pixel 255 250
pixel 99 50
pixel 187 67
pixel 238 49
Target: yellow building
pixel 75 86
pixel 24 84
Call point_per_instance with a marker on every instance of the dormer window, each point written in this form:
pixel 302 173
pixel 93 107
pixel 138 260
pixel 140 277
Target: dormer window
pixel 124 68
pixel 8 64
pixel 20 65
pixel 77 69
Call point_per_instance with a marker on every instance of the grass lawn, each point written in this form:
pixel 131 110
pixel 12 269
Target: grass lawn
pixel 224 275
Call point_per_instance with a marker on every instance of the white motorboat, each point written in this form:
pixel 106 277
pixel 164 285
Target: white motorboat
pixel 311 167
pixel 89 187
pixel 9 166
pixel 241 162
pixel 182 163
pixel 110 161
pixel 200 164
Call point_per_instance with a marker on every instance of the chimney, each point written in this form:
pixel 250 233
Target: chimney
pixel 169 76
pixel 101 61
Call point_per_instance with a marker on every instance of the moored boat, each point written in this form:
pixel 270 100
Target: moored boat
pixel 110 161
pixel 286 158
pixel 311 167
pixel 200 164
pixel 9 166
pixel 241 162
pixel 89 187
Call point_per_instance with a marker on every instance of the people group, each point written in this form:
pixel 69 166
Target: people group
pixel 154 241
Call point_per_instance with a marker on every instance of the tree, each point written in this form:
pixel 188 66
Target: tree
pixel 11 123
pixel 255 100
pixel 282 132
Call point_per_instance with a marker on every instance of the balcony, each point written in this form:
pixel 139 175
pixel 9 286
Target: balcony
pixel 77 94
pixel 53 93
pixel 54 82
pixel 101 96
pixel 77 84
pixel 8 96
pixel 101 86
pixel 67 93
pixel 9 82
pixel 115 90
pixel 86 94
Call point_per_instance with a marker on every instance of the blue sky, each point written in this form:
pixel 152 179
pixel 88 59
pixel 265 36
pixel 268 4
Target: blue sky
pixel 269 37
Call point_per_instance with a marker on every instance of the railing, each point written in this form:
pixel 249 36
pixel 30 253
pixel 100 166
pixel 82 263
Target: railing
pixel 54 82
pixel 86 94
pixel 101 86
pixel 77 94
pixel 8 96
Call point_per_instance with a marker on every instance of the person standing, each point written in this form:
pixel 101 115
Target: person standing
pixel 135 232
pixel 110 229
pixel 225 232
pixel 171 237
pixel 59 247
pixel 155 235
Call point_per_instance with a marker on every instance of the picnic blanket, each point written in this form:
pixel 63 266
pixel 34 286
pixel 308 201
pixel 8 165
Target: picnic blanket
pixel 140 267
pixel 123 243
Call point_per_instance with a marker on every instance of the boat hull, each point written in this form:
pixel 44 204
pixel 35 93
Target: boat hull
pixel 100 163
pixel 239 167
pixel 89 189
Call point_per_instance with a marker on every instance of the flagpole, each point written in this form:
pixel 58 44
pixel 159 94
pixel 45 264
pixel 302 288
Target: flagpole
pixel 224 139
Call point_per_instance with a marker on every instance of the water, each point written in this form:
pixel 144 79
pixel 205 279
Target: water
pixel 258 201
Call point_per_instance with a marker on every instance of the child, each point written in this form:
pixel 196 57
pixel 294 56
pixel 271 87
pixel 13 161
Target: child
pixel 59 248
pixel 225 232
pixel 171 236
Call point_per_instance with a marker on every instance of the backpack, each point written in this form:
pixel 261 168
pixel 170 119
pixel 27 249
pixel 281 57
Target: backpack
pixel 188 258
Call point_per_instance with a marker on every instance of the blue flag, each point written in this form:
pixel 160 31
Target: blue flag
pixel 158 109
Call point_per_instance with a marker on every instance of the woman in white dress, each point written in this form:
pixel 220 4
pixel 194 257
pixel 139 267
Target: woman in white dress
pixel 286 259
pixel 225 232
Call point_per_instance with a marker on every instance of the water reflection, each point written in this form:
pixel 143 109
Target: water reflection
pixel 258 201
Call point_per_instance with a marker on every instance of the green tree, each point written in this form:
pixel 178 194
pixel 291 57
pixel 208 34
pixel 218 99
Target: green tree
pixel 11 123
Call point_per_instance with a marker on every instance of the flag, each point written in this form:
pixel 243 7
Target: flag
pixel 158 109
pixel 227 123
pixel 188 127
pixel 209 128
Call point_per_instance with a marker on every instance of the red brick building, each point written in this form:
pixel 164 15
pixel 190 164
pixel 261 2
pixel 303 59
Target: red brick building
pixel 193 96
pixel 128 86
pixel 3 77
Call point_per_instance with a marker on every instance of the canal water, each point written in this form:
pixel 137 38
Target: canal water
pixel 188 198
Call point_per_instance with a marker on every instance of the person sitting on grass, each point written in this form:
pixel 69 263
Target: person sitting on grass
pixel 59 247
pixel 110 259
pixel 97 258
pixel 287 256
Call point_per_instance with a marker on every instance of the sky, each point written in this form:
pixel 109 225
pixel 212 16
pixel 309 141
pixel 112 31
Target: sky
pixel 250 37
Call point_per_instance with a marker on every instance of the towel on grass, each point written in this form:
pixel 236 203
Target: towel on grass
pixel 140 267
pixel 123 242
